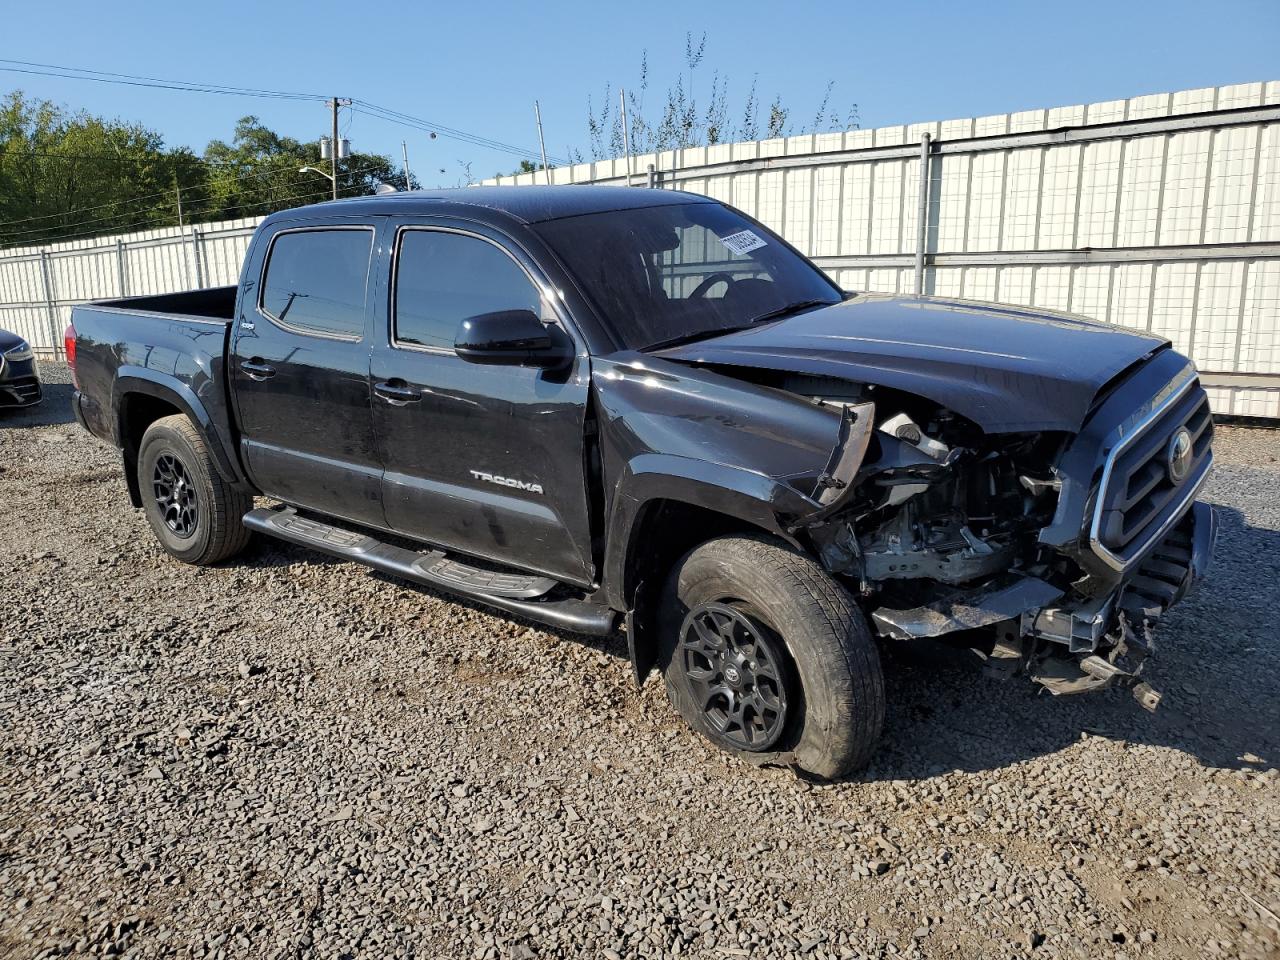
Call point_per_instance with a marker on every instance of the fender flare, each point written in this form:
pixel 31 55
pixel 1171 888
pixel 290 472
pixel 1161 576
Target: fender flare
pixel 132 380
pixel 754 498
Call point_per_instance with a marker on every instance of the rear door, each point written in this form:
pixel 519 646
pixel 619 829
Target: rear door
pixel 300 369
pixel 485 460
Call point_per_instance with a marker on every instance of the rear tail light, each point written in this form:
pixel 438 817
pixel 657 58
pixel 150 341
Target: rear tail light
pixel 69 347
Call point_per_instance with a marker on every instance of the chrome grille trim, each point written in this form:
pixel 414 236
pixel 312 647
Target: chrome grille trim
pixel 1182 502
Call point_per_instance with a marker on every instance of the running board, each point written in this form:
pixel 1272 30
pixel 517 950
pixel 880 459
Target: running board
pixel 515 592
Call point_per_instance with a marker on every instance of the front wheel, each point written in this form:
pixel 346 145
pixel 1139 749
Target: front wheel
pixel 770 658
pixel 193 512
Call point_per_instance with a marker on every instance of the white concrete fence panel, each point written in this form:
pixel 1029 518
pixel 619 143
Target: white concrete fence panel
pixel 1160 212
pixel 39 286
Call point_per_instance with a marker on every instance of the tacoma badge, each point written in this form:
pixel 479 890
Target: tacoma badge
pixel 507 482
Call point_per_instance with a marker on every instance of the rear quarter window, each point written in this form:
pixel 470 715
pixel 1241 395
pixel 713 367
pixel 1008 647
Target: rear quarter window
pixel 316 281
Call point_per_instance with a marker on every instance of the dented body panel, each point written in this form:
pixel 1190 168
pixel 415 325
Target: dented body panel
pixel 1004 368
pixel 670 432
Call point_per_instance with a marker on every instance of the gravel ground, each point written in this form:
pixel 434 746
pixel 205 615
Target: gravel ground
pixel 290 756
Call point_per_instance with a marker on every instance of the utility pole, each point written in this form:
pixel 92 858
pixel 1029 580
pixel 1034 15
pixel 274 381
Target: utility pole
pixel 546 170
pixel 626 131
pixel 335 103
pixel 404 149
pixel 177 190
pixel 333 149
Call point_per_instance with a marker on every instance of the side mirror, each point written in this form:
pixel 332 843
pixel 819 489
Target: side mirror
pixel 512 337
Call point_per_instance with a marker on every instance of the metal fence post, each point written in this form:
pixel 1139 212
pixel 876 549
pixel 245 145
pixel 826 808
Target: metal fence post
pixel 195 252
pixel 50 306
pixel 922 214
pixel 121 285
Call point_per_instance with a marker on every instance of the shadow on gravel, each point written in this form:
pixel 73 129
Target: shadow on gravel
pixel 1217 663
pixel 54 409
pixel 267 552
pixel 614 646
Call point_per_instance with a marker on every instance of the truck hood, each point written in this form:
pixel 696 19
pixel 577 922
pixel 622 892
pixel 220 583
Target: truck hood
pixel 1005 368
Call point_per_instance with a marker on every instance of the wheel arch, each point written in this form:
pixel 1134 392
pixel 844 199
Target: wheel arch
pixel 140 398
pixel 662 511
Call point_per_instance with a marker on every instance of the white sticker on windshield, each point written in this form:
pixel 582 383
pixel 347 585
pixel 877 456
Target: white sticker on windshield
pixel 744 241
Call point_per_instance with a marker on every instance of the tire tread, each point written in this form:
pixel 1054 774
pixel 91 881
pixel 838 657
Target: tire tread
pixel 841 638
pixel 227 534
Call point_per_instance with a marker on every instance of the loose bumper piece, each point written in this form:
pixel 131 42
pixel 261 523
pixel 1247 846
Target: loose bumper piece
pixel 1080 646
pixel 966 611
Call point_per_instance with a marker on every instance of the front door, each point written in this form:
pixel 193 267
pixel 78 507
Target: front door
pixel 485 460
pixel 300 372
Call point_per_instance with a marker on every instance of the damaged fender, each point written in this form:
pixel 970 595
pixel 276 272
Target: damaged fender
pixel 672 432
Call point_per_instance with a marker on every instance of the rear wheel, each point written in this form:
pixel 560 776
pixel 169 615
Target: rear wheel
pixel 770 658
pixel 193 512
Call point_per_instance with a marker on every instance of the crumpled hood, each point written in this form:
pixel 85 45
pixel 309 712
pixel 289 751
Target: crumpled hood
pixel 1005 368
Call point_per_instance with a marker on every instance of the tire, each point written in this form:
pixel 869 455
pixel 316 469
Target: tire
pixel 199 520
pixel 832 686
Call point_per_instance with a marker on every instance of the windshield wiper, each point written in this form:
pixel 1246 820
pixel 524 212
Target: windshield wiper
pixel 694 337
pixel 789 308
pixel 721 331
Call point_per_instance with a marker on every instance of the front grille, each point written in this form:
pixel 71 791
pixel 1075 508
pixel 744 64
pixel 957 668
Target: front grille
pixel 20 391
pixel 1140 499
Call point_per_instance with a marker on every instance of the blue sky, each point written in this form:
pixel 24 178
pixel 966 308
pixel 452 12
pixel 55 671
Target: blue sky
pixel 478 67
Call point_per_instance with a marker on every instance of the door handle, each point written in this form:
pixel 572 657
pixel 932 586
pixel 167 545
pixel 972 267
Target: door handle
pixel 396 392
pixel 257 370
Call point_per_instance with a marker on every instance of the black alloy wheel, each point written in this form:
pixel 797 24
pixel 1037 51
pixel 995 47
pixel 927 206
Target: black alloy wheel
pixel 734 666
pixel 175 495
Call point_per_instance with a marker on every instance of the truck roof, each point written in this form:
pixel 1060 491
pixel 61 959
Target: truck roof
pixel 531 204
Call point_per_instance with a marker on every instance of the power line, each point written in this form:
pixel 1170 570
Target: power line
pixel 175 156
pixel 130 200
pixel 419 123
pixel 113 203
pixel 373 109
pixel 128 79
pixel 279 171
pixel 152 219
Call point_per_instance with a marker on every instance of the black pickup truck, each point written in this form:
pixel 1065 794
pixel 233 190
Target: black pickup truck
pixel 609 408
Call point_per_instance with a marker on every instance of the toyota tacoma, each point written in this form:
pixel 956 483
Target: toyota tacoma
pixel 622 409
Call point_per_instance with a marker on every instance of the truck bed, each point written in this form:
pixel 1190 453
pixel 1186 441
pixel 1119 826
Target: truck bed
pixel 172 346
pixel 214 303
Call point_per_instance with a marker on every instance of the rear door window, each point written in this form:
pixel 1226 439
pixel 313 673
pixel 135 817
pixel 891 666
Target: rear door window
pixel 317 280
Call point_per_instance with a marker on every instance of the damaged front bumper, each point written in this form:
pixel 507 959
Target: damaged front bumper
pixel 1074 645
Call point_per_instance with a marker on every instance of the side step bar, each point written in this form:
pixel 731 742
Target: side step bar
pixel 514 592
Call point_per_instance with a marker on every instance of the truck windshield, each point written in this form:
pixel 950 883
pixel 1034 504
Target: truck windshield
pixel 664 275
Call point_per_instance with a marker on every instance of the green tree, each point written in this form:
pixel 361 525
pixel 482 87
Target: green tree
pixel 260 171
pixel 71 175
pixel 62 174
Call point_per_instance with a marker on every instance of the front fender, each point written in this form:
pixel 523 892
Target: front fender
pixel 672 432
pixel 751 497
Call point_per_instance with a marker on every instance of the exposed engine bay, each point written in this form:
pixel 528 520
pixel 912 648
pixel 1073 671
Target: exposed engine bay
pixel 939 531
